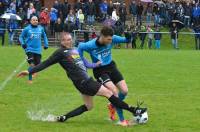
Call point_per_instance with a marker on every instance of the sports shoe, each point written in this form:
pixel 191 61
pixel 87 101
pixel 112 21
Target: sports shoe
pixel 61 118
pixel 124 123
pixel 112 112
pixel 138 110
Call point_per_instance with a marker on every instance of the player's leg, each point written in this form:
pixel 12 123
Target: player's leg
pixel 88 105
pixel 37 60
pixel 30 60
pixel 118 80
pixel 103 91
pixel 102 77
pixel 110 106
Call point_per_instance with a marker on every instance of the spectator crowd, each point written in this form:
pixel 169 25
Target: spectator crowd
pixel 63 16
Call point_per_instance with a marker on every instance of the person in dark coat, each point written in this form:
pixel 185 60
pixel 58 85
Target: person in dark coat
pixel 122 13
pixel 174 35
pixel 110 9
pixel 142 36
pixel 2 30
pixel 90 12
pixel 134 37
pixel 58 29
pixel 139 11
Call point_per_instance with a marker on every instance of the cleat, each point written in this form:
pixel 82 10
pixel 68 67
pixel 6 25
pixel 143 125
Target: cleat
pixel 138 110
pixel 124 123
pixel 61 118
pixel 112 112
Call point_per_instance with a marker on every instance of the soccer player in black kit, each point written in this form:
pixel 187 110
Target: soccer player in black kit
pixel 71 62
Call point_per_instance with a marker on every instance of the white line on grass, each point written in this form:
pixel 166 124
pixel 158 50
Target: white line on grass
pixel 2 85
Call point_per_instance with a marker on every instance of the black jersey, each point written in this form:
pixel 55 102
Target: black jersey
pixel 71 62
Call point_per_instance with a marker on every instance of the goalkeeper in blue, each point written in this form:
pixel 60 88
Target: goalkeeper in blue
pixel 104 68
pixel 30 40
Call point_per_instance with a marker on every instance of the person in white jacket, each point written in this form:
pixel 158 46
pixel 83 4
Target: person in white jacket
pixel 114 15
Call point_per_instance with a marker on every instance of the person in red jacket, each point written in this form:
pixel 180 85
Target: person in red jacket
pixel 44 19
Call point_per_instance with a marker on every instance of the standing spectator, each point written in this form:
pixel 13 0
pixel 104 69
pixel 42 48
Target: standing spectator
pixel 90 11
pixel 104 9
pixel 97 9
pixel 133 11
pixel 170 11
pixel 57 5
pixel 157 37
pixel 163 15
pixel 180 13
pixel 58 29
pixel 150 36
pixel 38 6
pixel 114 15
pixel 142 35
pixel 44 19
pixel 12 26
pixel 25 7
pixel 128 34
pixel 197 36
pixel 2 30
pixel 134 37
pixel 81 18
pixel 78 5
pixel 13 7
pixel 2 7
pixel 110 8
pixel 156 14
pixel 30 11
pixel 188 14
pixel 148 13
pixel 196 13
pixel 174 35
pixel 22 14
pixel 65 9
pixel 122 13
pixel 139 12
pixel 53 19
pixel 70 22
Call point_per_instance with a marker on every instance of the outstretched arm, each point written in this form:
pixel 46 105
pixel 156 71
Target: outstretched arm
pixel 119 39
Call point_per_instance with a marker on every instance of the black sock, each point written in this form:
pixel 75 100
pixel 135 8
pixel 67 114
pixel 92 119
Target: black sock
pixel 76 112
pixel 121 104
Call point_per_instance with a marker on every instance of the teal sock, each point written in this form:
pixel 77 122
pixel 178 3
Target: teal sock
pixel 30 75
pixel 120 111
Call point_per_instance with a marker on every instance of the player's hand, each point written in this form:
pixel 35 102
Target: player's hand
pixel 23 73
pixel 98 63
pixel 24 46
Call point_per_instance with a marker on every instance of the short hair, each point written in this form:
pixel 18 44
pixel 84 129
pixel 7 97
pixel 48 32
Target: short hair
pixel 107 31
pixel 64 34
pixel 33 16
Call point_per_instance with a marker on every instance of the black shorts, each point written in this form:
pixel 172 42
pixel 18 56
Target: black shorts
pixel 87 87
pixel 108 73
pixel 33 58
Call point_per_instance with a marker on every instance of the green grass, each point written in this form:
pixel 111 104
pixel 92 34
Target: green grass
pixel 167 80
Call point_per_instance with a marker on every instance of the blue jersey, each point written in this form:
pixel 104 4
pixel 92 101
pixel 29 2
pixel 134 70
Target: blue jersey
pixel 100 53
pixel 32 37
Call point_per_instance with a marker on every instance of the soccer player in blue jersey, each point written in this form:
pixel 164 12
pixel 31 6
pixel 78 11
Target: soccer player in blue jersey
pixel 30 40
pixel 104 68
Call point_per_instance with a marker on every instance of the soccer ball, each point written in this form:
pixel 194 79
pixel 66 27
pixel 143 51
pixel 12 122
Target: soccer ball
pixel 142 118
